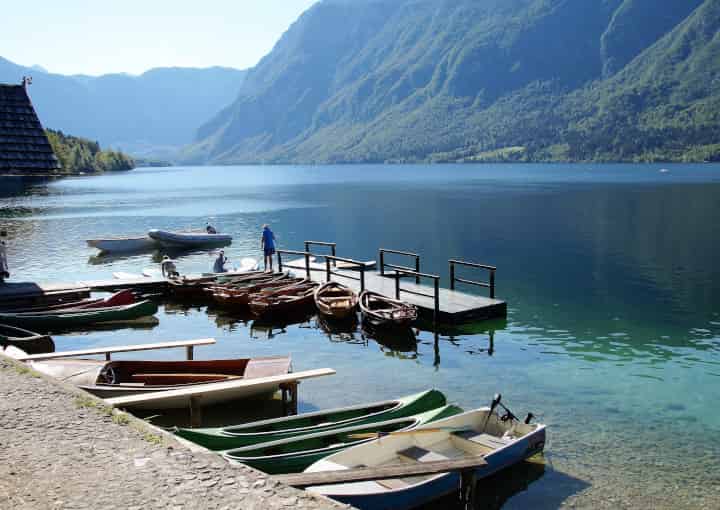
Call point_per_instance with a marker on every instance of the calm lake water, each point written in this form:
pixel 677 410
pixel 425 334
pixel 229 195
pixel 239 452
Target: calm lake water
pixel 611 275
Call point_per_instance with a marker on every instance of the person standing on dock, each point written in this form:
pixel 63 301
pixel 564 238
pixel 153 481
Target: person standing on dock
pixel 4 272
pixel 267 243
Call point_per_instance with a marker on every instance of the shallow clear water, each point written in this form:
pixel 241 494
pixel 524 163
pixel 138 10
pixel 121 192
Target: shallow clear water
pixel 610 273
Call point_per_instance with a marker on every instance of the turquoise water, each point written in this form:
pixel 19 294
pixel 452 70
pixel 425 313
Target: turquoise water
pixel 610 273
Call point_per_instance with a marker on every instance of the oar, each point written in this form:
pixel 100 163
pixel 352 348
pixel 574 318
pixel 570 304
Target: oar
pixel 495 402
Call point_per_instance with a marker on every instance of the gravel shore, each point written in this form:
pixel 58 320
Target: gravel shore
pixel 63 449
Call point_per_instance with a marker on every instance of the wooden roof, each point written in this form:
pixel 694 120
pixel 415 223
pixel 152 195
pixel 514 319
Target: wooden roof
pixel 24 148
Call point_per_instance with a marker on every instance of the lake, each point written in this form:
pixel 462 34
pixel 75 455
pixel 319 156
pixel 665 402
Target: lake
pixel 610 273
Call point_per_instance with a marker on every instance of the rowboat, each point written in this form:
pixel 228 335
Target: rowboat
pixel 31 343
pixel 481 432
pixel 122 244
pixel 240 293
pixel 71 318
pixel 335 300
pixel 293 455
pixel 109 379
pixel 123 297
pixel 321 421
pixel 383 312
pixel 285 300
pixel 188 239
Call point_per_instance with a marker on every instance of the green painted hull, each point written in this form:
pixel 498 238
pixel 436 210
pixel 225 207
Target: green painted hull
pixel 226 438
pixel 295 454
pixel 46 321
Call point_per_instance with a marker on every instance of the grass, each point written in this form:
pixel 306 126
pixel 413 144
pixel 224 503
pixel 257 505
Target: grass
pixel 119 418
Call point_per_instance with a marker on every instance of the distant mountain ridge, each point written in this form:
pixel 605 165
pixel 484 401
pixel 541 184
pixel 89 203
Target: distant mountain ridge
pixel 154 113
pixel 480 80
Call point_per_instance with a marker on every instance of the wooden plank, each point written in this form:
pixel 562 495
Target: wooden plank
pixel 366 474
pixel 119 348
pixel 203 390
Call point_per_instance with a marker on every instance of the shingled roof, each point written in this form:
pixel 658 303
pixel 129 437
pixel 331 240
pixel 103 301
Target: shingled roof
pixel 24 148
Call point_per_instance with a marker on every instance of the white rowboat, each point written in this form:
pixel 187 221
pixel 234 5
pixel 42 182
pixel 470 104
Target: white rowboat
pixel 122 244
pixel 470 434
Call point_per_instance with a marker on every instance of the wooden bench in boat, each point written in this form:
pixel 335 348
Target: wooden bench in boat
pixel 483 439
pixel 181 378
pixel 369 474
pixel 188 344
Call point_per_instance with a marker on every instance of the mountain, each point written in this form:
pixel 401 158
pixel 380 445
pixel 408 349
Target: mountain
pixel 154 113
pixel 480 80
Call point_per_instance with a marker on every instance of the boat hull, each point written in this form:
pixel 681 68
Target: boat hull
pixel 123 245
pixel 188 239
pixel 73 318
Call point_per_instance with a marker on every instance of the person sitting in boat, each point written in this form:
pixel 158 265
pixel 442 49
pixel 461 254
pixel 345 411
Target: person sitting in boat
pixel 4 272
pixel 220 261
pixel 210 230
pixel 169 270
pixel 267 243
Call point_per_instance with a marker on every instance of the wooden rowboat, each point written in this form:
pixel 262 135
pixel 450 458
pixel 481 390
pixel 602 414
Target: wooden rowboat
pixel 383 312
pixel 285 300
pixel 294 454
pixel 73 318
pixel 123 297
pixel 336 300
pixel 476 433
pixel 109 379
pixel 309 423
pixel 31 343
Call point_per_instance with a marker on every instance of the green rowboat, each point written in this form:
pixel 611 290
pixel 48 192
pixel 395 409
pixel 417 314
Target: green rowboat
pixel 263 431
pixel 295 454
pixel 72 318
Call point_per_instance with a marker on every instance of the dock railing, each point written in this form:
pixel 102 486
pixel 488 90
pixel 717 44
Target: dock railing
pixel 488 285
pixel 435 296
pixel 403 269
pixel 332 246
pixel 331 261
pixel 305 254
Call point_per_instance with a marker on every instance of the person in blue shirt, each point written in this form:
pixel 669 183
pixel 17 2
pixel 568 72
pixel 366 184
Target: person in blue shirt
pixel 267 243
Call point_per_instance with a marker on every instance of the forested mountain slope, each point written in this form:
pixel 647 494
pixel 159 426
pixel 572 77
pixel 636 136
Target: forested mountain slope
pixel 458 80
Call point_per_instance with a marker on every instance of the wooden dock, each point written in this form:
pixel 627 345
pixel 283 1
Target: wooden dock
pixel 454 307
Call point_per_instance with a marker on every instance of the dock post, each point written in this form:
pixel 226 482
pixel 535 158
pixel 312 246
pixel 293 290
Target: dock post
pixel 279 262
pixel 492 284
pixel 328 275
pixel 307 246
pixel 491 346
pixel 397 286
pixel 468 481
pixel 107 356
pixel 382 263
pixel 190 351
pixel 417 269
pixel 452 275
pixel 436 312
pixel 307 264
pixel 334 254
pixel 362 278
pixel 195 412
pixel 290 397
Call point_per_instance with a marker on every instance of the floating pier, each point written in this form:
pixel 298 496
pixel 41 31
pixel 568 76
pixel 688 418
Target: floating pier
pixel 441 305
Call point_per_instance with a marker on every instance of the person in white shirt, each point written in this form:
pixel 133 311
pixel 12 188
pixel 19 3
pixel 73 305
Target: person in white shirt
pixel 169 269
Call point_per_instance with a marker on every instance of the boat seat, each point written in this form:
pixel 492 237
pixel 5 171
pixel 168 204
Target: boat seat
pixel 183 378
pixel 483 439
pixel 418 454
pixel 389 483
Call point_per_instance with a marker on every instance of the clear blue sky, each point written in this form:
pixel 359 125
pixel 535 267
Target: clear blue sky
pixel 102 36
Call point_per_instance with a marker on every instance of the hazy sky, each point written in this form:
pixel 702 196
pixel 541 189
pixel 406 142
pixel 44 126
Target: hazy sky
pixel 102 36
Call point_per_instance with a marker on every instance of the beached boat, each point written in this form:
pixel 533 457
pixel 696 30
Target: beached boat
pixel 481 432
pixel 285 300
pixel 295 454
pixel 188 239
pixel 79 317
pixel 108 379
pixel 29 342
pixel 383 312
pixel 336 300
pixel 309 423
pixel 123 244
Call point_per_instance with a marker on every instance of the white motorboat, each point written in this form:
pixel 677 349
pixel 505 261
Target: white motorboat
pixel 188 239
pixel 481 432
pixel 122 244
